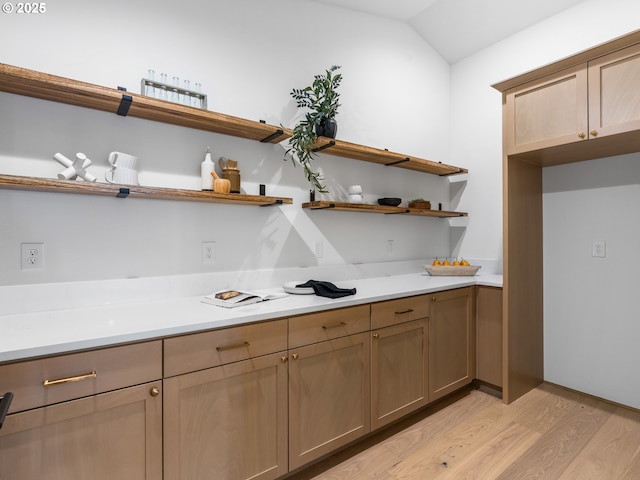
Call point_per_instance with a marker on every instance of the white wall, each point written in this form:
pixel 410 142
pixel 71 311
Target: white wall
pixel 590 319
pixel 247 54
pixel 592 324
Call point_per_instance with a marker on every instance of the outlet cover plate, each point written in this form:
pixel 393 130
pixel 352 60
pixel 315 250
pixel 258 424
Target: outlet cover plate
pixel 32 256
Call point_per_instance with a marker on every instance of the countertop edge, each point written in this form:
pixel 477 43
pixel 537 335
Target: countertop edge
pixel 31 335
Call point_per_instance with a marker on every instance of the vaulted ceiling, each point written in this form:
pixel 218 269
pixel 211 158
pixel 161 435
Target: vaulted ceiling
pixel 459 28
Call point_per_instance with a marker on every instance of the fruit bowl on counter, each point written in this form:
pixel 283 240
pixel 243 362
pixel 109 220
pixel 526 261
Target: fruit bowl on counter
pixel 457 269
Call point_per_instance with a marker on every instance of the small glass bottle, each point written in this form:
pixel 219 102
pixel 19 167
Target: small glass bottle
pixel 150 89
pixel 206 167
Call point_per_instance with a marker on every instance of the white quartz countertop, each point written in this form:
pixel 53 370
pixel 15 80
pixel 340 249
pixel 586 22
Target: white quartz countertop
pixel 27 335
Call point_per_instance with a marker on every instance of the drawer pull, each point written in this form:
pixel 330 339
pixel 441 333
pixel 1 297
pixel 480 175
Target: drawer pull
pixel 79 378
pixel 232 347
pixel 5 403
pixel 334 325
pixel 409 310
pixel 154 392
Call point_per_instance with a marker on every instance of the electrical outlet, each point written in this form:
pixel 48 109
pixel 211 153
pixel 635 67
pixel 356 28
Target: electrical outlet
pixel 599 248
pixel 389 247
pixel 208 252
pixel 316 245
pixel 32 256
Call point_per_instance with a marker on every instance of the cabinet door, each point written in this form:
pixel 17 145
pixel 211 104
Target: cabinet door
pixel 614 92
pixel 399 371
pixel 451 341
pixel 489 335
pixel 329 396
pixel 547 112
pixel 115 435
pixel 227 422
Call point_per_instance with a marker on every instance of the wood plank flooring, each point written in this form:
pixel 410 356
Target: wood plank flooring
pixel 550 433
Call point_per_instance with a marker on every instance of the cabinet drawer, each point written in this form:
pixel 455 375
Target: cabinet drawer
pixel 318 327
pixel 46 381
pixel 392 312
pixel 189 353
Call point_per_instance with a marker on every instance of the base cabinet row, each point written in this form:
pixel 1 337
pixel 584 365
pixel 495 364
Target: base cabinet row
pixel 346 373
pixel 255 402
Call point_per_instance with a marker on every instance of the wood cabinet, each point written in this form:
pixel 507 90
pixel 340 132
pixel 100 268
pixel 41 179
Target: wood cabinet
pixel 451 341
pixel 547 112
pixel 489 335
pixel 399 371
pixel 587 101
pixel 613 97
pixel 76 433
pixel 227 419
pixel 614 92
pixel 228 422
pixel 329 385
pixel 399 358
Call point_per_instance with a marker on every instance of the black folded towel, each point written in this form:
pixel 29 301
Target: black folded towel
pixel 327 289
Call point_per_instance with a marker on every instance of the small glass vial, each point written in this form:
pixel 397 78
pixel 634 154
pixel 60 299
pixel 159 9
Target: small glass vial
pixel 151 90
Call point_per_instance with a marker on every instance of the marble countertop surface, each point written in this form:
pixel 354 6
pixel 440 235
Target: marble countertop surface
pixel 34 334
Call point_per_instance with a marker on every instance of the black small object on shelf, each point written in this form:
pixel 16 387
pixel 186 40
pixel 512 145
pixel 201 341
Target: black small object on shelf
pixel 389 201
pixel 125 103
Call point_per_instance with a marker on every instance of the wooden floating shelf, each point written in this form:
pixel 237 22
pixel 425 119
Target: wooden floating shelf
pixel 383 157
pixel 362 207
pixel 59 89
pixel 134 191
pixel 31 83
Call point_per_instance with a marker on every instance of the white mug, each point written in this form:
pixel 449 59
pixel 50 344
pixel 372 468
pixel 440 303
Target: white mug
pixel 123 160
pixel 122 176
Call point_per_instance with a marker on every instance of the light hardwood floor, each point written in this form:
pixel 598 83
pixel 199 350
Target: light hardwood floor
pixel 550 433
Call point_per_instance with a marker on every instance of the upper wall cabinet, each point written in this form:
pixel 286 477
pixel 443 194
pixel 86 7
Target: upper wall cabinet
pixel 548 112
pixel 614 93
pixel 587 101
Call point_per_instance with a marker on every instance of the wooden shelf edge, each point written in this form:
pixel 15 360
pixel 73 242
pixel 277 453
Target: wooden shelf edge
pixel 354 151
pixel 368 208
pixel 45 86
pixel 135 191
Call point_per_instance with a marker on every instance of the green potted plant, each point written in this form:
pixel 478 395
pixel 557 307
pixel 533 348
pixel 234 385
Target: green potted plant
pixel 321 101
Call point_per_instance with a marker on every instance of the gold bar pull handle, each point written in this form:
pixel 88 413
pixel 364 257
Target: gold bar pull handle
pixel 334 325
pixel 232 347
pixel 79 378
pixel 409 310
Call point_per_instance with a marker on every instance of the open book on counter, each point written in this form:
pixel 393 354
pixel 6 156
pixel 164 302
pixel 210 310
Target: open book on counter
pixel 238 298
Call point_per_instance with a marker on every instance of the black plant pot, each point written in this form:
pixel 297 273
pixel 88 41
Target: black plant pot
pixel 328 127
